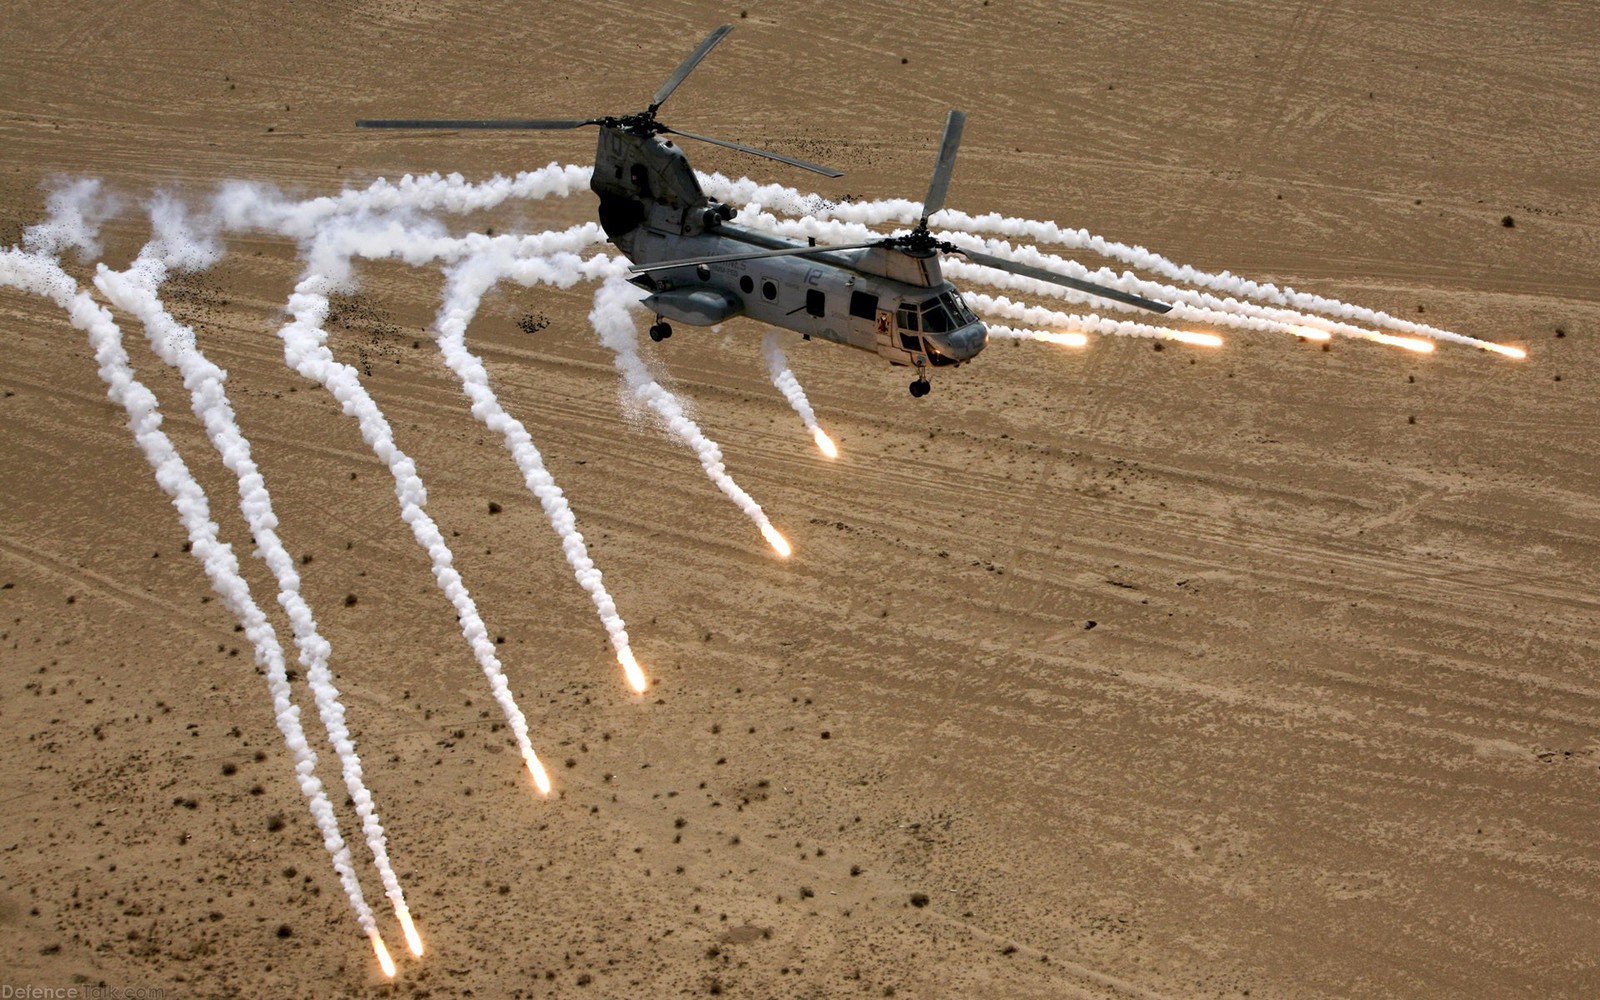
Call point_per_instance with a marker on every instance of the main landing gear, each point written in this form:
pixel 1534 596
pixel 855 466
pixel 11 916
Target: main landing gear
pixel 660 330
pixel 921 387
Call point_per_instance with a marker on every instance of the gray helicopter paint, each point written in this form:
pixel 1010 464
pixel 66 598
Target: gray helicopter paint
pixel 677 221
pixel 654 211
pixel 810 294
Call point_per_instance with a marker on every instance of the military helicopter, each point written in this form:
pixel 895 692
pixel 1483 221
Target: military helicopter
pixel 886 295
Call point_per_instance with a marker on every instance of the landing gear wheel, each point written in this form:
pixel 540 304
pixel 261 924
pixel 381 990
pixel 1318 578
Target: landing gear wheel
pixel 921 387
pixel 660 331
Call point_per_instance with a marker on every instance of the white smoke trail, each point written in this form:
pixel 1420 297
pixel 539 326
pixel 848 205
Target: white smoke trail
pixel 306 351
pixel 242 205
pixel 135 291
pixel 1187 304
pixel 617 331
pixel 1137 256
pixel 76 210
pixel 42 276
pixel 1091 323
pixel 465 287
pixel 903 212
pixel 1070 338
pixel 245 206
pixel 783 378
pixel 488 259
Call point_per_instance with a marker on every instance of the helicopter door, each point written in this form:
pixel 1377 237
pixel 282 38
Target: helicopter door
pixel 884 338
pixel 909 344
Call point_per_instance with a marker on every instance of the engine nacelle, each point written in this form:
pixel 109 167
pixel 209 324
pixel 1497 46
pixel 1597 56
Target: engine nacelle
pixel 695 306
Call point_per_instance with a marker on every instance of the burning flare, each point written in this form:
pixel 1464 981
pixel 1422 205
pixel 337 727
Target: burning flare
pixel 777 541
pixel 1062 339
pixel 1510 352
pixel 1198 339
pixel 631 668
pixel 541 780
pixel 1409 343
pixel 829 449
pixel 409 928
pixel 383 954
pixel 1310 332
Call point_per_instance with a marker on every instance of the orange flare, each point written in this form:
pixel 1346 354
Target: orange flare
pixel 541 780
pixel 632 670
pixel 1310 332
pixel 413 939
pixel 777 541
pixel 1197 339
pixel 1062 339
pixel 1409 343
pixel 382 952
pixel 829 449
pixel 1510 352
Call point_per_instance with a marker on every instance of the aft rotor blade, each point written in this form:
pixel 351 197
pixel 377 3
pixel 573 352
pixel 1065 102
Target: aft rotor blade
pixel 688 66
pixel 1028 271
pixel 476 123
pixel 792 161
pixel 946 164
pixel 668 265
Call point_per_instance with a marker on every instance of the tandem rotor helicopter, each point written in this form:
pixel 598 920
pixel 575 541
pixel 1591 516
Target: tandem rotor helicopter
pixel 887 295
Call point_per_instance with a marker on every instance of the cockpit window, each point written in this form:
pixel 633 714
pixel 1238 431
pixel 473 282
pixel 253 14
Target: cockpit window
pixel 959 307
pixel 908 316
pixel 945 314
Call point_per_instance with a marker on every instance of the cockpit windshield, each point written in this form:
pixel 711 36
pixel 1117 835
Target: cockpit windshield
pixel 945 313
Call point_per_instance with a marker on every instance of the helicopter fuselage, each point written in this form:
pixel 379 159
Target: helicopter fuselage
pixel 890 302
pixel 885 294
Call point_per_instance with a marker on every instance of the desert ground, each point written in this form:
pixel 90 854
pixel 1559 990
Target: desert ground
pixel 1259 671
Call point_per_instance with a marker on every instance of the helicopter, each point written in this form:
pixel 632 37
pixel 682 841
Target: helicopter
pixel 887 295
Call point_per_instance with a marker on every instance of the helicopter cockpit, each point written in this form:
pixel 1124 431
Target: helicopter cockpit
pixel 944 313
pixel 950 333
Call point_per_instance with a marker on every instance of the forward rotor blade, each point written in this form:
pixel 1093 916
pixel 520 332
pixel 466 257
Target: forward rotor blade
pixel 688 66
pixel 1028 271
pixel 946 164
pixel 752 255
pixel 476 123
pixel 792 161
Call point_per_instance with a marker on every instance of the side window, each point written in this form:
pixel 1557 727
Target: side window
pixel 910 343
pixel 769 290
pixel 640 179
pixel 863 305
pixel 934 318
pixel 816 302
pixel 746 284
pixel 907 317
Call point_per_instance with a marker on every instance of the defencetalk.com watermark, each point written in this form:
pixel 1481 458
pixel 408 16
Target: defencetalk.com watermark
pixel 9 991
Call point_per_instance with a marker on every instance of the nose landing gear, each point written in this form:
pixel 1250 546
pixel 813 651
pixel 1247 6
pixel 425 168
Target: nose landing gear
pixel 921 387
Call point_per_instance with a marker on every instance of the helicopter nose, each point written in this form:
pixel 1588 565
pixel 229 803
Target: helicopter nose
pixel 963 344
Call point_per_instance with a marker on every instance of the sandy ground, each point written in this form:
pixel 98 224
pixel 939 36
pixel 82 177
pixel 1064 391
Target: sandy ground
pixel 1332 733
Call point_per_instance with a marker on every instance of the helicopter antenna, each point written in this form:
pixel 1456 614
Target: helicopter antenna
pixel 687 67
